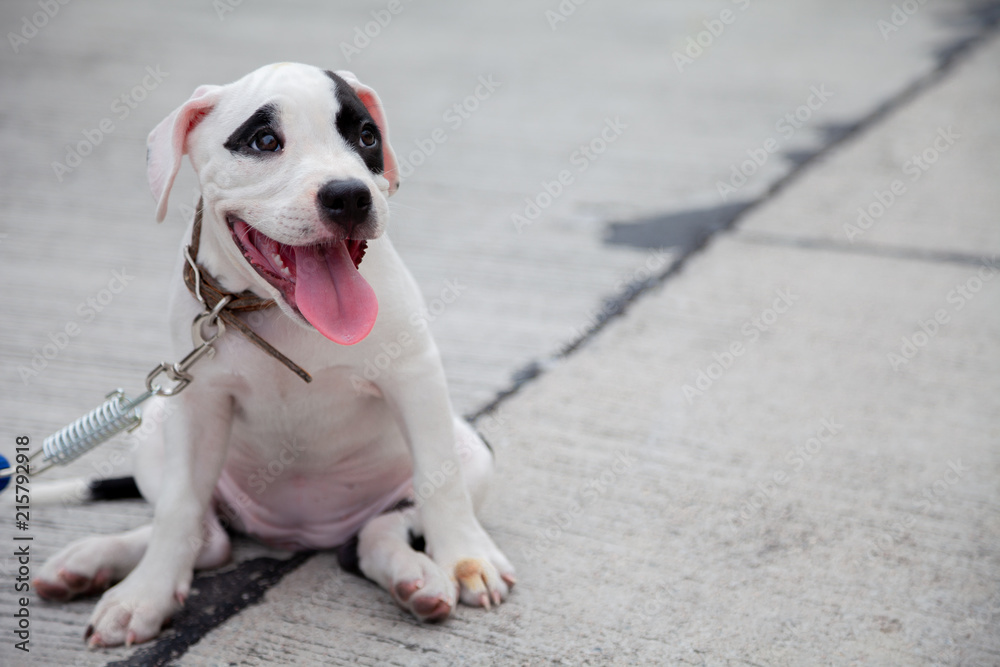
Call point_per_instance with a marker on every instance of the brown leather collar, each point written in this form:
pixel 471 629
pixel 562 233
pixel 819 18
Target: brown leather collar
pixel 212 292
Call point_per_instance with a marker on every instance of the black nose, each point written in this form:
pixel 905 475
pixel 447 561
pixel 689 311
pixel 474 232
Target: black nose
pixel 344 203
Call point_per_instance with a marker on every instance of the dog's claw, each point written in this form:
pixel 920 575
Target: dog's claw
pixel 49 592
pixel 432 609
pixel 480 584
pixel 102 579
pixel 130 639
pixel 89 631
pixel 74 580
pixel 406 589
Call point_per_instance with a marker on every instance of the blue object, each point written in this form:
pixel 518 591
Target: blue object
pixel 7 474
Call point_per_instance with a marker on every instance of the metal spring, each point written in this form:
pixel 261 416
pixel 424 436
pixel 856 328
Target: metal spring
pixel 112 417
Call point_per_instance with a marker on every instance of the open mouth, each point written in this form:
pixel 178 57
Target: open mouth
pixel 321 282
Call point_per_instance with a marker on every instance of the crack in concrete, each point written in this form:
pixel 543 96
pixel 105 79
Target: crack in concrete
pixel 217 597
pixel 865 249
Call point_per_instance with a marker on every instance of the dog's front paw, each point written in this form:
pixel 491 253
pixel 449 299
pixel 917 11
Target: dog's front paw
pixel 482 574
pixel 134 611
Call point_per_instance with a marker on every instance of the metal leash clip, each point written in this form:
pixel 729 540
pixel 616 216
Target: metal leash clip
pixel 177 372
pixel 120 413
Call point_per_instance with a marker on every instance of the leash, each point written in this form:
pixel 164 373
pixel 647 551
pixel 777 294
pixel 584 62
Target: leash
pixel 120 413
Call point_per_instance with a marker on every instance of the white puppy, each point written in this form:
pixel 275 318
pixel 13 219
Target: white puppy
pixel 295 168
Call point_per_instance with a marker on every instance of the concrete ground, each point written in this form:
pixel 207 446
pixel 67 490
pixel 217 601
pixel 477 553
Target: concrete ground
pixel 738 420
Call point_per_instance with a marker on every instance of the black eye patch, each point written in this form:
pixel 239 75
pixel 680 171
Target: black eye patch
pixel 254 137
pixel 356 125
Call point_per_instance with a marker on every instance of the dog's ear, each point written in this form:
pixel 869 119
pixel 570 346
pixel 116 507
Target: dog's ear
pixel 374 105
pixel 166 144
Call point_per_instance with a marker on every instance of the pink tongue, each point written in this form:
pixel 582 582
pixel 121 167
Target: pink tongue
pixel 332 295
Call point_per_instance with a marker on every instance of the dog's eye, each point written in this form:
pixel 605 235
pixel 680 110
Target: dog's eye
pixel 368 138
pixel 265 140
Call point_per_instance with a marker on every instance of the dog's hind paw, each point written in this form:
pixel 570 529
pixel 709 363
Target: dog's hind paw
pixel 87 566
pixel 65 584
pixel 422 588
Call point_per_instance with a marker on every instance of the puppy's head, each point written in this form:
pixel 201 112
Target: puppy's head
pixel 295 169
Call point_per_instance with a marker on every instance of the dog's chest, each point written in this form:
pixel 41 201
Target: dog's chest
pixel 313 452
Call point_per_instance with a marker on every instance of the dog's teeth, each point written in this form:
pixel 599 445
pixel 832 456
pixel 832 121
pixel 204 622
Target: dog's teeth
pixel 286 272
pixel 276 257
